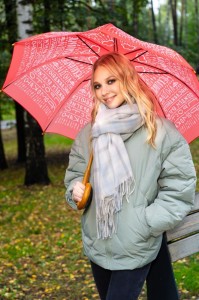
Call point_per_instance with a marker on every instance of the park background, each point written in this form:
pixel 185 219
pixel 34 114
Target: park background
pixel 40 239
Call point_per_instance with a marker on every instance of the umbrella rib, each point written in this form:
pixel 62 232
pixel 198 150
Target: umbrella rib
pixel 132 51
pixel 152 72
pixel 63 103
pixel 33 68
pixel 115 45
pixel 96 43
pixel 141 63
pixel 183 82
pixel 138 55
pixel 87 45
pixel 148 65
pixel 80 61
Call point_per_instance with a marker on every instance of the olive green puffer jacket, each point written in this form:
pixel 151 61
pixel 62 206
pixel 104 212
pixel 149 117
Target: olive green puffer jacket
pixel 164 193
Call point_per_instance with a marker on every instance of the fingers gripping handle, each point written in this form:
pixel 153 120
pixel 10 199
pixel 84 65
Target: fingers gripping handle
pixel 81 204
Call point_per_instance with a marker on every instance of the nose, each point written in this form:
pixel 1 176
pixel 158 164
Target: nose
pixel 104 90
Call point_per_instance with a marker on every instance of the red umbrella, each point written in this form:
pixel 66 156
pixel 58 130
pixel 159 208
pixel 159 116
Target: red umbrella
pixel 50 77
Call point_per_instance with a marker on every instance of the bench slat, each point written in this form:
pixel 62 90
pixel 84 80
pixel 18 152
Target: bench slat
pixel 184 247
pixel 188 225
pixel 183 240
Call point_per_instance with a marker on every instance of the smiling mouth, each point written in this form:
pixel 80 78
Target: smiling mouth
pixel 110 99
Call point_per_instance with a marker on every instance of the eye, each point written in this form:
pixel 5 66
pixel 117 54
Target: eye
pixel 96 86
pixel 111 81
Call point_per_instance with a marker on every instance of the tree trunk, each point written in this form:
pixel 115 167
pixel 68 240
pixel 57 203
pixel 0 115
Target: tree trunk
pixel 46 15
pixel 197 21
pixel 36 167
pixel 3 162
pixel 185 34
pixel 11 22
pixel 167 27
pixel 61 14
pixel 24 18
pixel 182 21
pixel 154 24
pixel 175 22
pixel 135 20
pixel 21 145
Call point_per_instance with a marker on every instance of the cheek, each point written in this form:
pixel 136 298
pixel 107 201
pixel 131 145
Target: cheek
pixel 97 94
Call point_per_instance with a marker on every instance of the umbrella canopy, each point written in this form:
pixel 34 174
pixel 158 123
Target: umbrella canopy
pixel 50 75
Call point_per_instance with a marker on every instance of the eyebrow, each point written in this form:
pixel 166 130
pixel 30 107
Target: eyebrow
pixel 105 79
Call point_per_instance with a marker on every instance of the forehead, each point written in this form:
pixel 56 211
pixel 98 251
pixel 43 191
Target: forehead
pixel 102 73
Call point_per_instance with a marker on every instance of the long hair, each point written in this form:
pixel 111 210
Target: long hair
pixel 132 88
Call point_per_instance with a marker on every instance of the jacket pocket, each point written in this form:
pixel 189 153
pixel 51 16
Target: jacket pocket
pixel 144 228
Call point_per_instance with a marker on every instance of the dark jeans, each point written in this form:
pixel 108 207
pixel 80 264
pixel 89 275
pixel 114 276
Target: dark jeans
pixel 160 280
pixel 119 285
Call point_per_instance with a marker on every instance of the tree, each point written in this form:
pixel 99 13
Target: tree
pixel 154 23
pixel 173 4
pixel 46 15
pixel 183 3
pixel 3 55
pixel 36 167
pixel 11 21
pixel 196 21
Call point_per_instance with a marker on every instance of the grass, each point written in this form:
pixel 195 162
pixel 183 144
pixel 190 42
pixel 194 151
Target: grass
pixel 40 238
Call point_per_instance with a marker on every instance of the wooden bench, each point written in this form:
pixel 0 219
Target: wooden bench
pixel 183 240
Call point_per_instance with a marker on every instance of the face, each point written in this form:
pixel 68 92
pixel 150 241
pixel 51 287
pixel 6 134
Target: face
pixel 107 88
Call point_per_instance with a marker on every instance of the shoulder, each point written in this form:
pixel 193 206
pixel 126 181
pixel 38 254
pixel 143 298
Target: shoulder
pixel 82 140
pixel 170 142
pixel 85 131
pixel 84 134
pixel 168 134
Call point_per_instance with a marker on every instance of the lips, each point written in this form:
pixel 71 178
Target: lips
pixel 109 99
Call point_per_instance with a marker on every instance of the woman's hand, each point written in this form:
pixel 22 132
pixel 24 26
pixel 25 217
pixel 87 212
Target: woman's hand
pixel 78 191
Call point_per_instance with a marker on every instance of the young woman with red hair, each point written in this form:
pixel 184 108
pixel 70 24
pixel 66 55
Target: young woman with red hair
pixel 140 186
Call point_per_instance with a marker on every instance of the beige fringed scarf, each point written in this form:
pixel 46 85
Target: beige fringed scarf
pixel 113 177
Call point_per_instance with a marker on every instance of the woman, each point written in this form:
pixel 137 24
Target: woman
pixel 142 176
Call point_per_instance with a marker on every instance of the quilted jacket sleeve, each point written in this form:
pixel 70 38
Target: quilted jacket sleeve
pixel 177 183
pixel 76 167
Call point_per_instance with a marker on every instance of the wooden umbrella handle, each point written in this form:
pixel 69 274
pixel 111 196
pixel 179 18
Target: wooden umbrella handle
pixel 82 204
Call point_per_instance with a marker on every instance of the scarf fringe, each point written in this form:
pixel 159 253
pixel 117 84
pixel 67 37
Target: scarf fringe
pixel 110 206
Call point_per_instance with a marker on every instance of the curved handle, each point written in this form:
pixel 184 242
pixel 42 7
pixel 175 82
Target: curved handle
pixel 82 204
